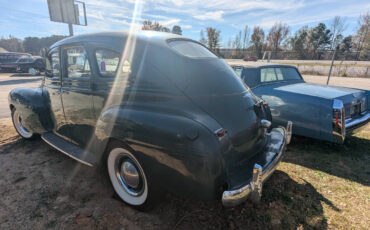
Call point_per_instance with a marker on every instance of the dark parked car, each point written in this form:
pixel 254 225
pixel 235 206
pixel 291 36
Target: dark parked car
pixel 318 111
pixel 8 60
pixel 161 112
pixel 32 66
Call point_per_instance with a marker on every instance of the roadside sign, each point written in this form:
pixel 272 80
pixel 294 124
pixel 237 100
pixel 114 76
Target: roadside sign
pixel 67 11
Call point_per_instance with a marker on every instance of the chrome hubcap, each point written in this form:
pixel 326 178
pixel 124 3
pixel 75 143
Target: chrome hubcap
pixel 129 176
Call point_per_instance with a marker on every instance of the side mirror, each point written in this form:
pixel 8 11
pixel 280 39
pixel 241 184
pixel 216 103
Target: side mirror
pixel 44 52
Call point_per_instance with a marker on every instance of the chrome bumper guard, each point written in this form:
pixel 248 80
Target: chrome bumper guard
pixel 253 190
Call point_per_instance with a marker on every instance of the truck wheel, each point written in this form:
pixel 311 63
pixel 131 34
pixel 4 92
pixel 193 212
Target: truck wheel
pixel 21 130
pixel 129 179
pixel 33 71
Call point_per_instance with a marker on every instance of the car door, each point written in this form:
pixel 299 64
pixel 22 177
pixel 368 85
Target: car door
pixel 76 94
pixel 52 84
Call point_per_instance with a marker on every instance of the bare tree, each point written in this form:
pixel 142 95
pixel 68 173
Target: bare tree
pixel 258 38
pixel 338 25
pixel 237 44
pixel 246 35
pixel 202 39
pixel 362 39
pixel 176 30
pixel 214 38
pixel 156 26
pixel 278 33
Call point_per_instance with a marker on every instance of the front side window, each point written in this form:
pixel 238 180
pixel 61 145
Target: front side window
pixel 77 63
pixel 191 49
pixel 279 74
pixel 108 62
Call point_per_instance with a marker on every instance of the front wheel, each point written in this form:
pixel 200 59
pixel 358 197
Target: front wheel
pixel 18 125
pixel 129 179
pixel 33 71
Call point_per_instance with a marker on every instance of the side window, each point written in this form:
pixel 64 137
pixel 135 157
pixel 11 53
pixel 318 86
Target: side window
pixel 53 65
pixel 77 63
pixel 279 74
pixel 108 62
pixel 268 74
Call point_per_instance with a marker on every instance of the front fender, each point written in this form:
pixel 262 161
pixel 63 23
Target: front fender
pixel 180 154
pixel 34 107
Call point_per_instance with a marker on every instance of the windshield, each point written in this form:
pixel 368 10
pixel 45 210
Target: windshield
pixel 279 74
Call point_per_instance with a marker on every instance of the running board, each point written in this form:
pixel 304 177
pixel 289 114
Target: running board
pixel 69 149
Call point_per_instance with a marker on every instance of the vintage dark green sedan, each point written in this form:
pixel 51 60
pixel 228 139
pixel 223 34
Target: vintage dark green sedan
pixel 161 112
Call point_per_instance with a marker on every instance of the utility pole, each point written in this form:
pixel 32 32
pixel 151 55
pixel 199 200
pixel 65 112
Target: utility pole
pixel 70 27
pixel 331 66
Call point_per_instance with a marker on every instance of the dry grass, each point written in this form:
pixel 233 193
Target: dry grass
pixel 318 186
pixel 336 63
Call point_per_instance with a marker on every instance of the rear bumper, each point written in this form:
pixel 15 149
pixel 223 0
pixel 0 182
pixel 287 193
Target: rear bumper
pixel 253 189
pixel 355 125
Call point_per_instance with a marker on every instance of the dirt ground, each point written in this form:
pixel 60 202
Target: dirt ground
pixel 319 185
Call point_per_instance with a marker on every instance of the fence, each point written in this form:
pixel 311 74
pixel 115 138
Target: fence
pixel 293 55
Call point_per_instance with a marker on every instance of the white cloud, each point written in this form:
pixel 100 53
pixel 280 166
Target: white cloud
pixel 170 22
pixel 187 26
pixel 215 15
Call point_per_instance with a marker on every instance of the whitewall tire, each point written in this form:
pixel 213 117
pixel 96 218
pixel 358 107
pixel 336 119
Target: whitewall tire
pixel 18 125
pixel 127 177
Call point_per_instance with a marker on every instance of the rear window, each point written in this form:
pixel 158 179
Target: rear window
pixel 279 74
pixel 191 49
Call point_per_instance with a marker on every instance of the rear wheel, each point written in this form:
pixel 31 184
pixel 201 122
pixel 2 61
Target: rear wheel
pixel 18 125
pixel 129 179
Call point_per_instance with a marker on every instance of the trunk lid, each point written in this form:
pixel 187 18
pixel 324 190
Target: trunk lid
pixel 354 100
pixel 240 114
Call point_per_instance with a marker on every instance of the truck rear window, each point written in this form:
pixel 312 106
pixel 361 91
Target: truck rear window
pixel 191 49
pixel 279 74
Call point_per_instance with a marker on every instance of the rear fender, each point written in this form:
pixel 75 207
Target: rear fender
pixel 172 148
pixel 34 107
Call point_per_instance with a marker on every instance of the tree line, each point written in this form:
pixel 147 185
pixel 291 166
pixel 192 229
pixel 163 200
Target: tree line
pixel 31 45
pixel 306 43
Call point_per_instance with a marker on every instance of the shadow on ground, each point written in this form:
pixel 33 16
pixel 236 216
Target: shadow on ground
pixel 349 161
pixel 285 204
pixel 20 81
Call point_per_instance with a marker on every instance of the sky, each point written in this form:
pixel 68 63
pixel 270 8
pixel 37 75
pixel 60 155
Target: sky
pixel 22 18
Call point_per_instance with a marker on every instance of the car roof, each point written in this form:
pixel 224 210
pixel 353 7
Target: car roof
pixel 257 64
pixel 149 36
